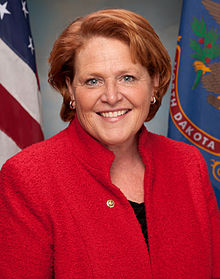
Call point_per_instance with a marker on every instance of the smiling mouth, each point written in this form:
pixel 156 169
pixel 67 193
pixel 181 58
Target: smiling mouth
pixel 113 113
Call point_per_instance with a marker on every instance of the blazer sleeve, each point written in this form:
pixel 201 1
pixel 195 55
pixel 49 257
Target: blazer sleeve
pixel 25 242
pixel 214 216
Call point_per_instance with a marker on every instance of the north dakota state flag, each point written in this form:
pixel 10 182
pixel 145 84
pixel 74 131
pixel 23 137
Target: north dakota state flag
pixel 195 92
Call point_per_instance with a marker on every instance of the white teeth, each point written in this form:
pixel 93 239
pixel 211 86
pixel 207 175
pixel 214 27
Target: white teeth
pixel 114 113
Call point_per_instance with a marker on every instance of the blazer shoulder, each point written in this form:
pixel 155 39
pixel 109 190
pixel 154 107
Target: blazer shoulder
pixel 40 153
pixel 172 146
pixel 40 164
pixel 36 169
pixel 177 155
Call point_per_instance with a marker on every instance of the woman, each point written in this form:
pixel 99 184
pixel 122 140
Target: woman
pixel 74 206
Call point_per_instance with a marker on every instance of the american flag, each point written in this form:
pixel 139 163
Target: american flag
pixel 20 121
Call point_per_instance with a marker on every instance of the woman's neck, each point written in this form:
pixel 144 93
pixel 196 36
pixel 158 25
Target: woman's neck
pixel 127 171
pixel 127 151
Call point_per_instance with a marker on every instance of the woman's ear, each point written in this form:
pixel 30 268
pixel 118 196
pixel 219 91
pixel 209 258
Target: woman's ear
pixel 69 87
pixel 156 80
pixel 155 83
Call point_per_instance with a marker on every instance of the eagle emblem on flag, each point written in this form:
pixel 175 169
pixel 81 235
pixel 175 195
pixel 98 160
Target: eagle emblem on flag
pixel 206 49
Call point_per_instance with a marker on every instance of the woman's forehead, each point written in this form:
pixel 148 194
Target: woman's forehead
pixel 105 55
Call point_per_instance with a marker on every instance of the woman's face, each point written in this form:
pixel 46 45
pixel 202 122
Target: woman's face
pixel 112 94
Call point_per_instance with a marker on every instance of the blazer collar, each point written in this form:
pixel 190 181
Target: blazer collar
pixel 95 156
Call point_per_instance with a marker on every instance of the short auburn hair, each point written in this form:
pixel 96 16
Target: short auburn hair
pixel 129 27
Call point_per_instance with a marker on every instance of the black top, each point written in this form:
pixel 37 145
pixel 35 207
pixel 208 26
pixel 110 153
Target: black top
pixel 139 210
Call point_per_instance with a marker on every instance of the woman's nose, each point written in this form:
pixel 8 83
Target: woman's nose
pixel 111 93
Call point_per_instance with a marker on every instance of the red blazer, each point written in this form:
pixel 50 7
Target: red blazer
pixel 55 220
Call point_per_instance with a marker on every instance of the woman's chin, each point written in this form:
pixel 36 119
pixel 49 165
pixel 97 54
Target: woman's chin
pixel 115 140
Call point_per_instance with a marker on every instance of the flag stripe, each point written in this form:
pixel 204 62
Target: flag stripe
pixel 19 79
pixel 8 147
pixel 16 122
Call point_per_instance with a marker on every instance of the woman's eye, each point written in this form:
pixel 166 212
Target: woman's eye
pixel 91 82
pixel 94 82
pixel 128 78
